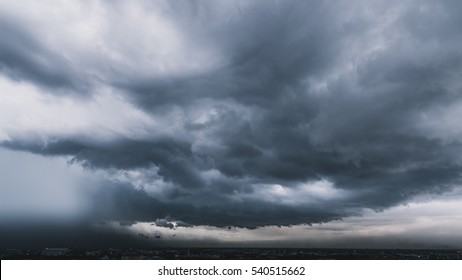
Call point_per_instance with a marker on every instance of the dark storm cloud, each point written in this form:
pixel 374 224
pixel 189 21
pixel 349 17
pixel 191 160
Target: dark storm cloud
pixel 24 58
pixel 122 202
pixel 309 91
pixel 270 48
pixel 173 157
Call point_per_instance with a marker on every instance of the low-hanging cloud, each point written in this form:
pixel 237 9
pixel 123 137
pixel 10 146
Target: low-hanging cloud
pixel 265 112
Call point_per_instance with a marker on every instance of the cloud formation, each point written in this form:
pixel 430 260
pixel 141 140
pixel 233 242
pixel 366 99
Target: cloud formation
pixel 241 113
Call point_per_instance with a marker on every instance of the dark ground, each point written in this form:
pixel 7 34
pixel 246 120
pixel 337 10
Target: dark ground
pixel 229 253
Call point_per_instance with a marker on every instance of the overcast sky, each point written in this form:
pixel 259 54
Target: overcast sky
pixel 301 123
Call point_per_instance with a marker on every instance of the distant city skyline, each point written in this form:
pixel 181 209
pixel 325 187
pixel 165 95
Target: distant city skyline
pixel 317 124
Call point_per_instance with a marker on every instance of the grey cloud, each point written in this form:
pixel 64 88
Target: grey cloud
pixel 270 47
pixel 167 222
pixel 173 156
pixel 309 91
pixel 123 203
pixel 24 58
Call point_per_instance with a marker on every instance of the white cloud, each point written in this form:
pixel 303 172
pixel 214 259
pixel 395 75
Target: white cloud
pixel 313 192
pixel 135 39
pixel 25 111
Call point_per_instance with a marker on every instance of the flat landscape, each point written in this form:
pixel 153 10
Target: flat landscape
pixel 230 253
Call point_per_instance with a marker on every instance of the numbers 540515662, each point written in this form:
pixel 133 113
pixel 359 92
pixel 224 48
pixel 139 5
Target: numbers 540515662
pixel 275 270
